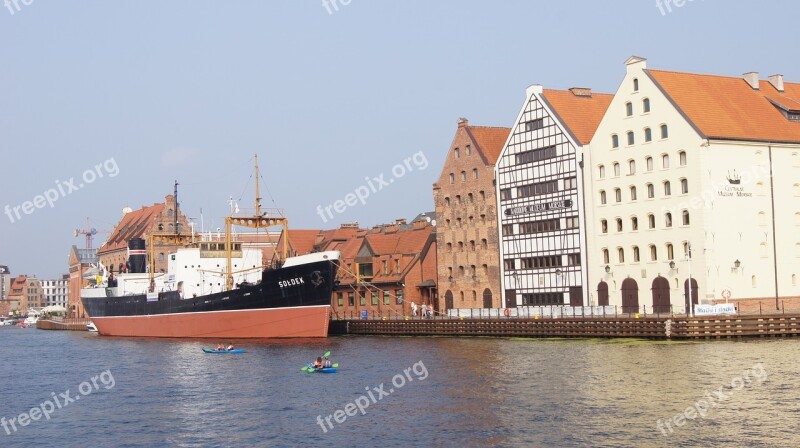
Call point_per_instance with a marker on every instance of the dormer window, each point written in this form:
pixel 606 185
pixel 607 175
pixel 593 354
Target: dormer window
pixel 789 112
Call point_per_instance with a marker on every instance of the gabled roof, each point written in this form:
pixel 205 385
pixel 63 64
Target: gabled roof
pixel 580 114
pixel 728 108
pixel 18 284
pixel 301 241
pixel 133 225
pixel 490 140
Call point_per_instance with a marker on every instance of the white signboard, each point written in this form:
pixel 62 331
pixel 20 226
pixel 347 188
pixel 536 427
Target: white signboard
pixel 710 310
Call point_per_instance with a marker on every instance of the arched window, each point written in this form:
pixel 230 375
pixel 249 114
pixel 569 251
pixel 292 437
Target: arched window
pixel 653 253
pixel 601 171
pixel 452 178
pixel 483 195
pixel 461 271
pixel 651 191
pixel 619 224
pixel 762 218
pixel 631 139
pixel 667 188
pixel 602 197
pixel 474 173
pixel 670 252
pixel 648 135
pixel 631 167
pixel 604 226
pixel 651 221
pixel 684 186
pixel 685 214
pixel 665 161
pixel 170 213
pixel 605 256
pixel 668 219
pixel 621 254
pixel 469 150
pixel 664 131
pixel 635 84
pixel 753 281
pixel 616 169
pixel 794 279
pixel 456 154
pixel 447 202
pixel 470 199
pixel 463 176
pixel 636 254
pixel 461 245
pixel 649 162
pixel 458 199
pixel 634 223
pixel 633 193
pixel 618 195
pixel 682 158
pixel 449 247
pixel 614 141
pixel 484 243
pixel 628 109
pixel 646 105
pixel 471 244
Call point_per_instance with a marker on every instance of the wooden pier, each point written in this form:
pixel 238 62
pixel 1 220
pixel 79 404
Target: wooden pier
pixel 651 327
pixel 62 324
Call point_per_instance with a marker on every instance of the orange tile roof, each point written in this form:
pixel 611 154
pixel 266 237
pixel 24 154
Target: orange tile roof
pixel 18 286
pixel 133 225
pixel 580 114
pixel 402 242
pixel 301 241
pixel 490 140
pixel 728 108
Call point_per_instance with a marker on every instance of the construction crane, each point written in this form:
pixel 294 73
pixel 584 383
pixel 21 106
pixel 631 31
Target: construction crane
pixel 89 232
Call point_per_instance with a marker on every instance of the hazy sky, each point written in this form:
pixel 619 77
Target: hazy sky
pixel 142 93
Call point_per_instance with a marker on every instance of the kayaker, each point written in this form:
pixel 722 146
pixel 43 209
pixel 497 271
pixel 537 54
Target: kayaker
pixel 220 347
pixel 327 362
pixel 318 363
pixel 230 346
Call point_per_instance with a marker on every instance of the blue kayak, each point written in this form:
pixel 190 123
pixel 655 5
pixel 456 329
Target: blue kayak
pixel 224 352
pixel 311 369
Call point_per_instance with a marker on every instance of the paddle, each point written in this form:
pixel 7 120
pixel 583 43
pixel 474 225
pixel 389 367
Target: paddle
pixel 309 368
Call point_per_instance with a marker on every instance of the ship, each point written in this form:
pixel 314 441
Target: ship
pixel 215 288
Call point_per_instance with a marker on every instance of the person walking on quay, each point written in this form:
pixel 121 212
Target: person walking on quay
pixel 413 309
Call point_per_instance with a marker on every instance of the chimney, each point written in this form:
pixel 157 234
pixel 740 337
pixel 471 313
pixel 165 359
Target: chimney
pixel 419 224
pixel 463 122
pixel 581 91
pixel 400 221
pixel 752 79
pixel 777 82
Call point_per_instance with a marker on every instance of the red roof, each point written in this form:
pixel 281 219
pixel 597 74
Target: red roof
pixel 133 225
pixel 489 140
pixel 581 114
pixel 728 108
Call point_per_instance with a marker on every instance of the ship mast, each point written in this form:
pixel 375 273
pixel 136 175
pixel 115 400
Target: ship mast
pixel 258 193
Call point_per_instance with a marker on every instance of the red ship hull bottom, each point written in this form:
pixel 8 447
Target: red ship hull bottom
pixel 292 322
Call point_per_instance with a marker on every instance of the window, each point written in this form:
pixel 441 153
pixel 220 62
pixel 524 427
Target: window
pixel 573 259
pixel 386 298
pixel 362 298
pixel 685 215
pixel 619 224
pixel 461 246
pixel 601 171
pixel 665 161
pixel 572 222
pixel 668 219
pixel 628 109
pixel 651 191
pixel 618 195
pixel 469 198
pixel 351 298
pixel 570 183
pixel 604 226
pixel 449 247
pixel 653 253
pixel 670 252
pixel 452 178
pixel 648 135
pixel 605 256
pixel 651 221
pixel 469 150
pixel 664 131
pixel 456 154
pixel 636 254
pixel 646 105
pixel 614 141
pixel 631 167
pixel 483 195
pixel 635 84
pixel 633 193
pixel 537 189
pixel 484 243
pixel 684 186
pixel 374 296
pixel 505 194
pixel 472 245
pixel 682 158
pixel 536 155
pixel 630 138
pixel 463 176
pixel 508 229
pixel 461 271
pixel 483 219
pixel 649 162
pixel 634 223
pixel 621 254
pixel 616 169
pixel 534 125
pixel 339 299
pixel 474 173
pixel 509 265
pixel 667 188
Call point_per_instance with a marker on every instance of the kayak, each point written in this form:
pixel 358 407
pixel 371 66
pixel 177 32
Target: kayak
pixel 224 352
pixel 311 369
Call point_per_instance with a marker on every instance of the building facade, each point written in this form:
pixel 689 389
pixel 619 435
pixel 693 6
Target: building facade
pixel 541 215
pixel 56 292
pixel 80 262
pixel 694 186
pixel 466 211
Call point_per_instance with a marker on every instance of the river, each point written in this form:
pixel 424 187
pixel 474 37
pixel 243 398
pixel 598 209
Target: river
pixel 463 392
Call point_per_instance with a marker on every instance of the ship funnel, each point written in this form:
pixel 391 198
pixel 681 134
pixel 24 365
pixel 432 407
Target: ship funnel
pixel 137 256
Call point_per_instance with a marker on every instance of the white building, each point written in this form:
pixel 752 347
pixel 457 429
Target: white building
pixel 540 197
pixel 5 282
pixel 56 292
pixel 684 159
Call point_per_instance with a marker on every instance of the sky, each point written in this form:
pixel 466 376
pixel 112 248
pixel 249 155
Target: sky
pixel 104 105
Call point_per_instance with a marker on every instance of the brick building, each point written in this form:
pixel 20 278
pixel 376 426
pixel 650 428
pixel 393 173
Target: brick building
pixel 80 261
pixel 466 210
